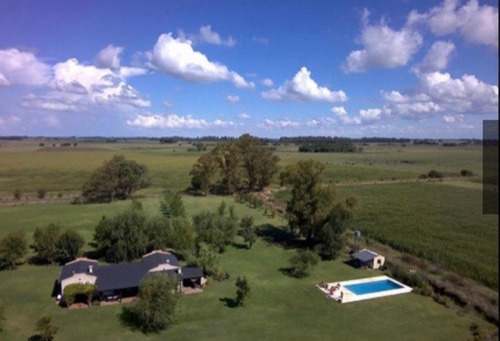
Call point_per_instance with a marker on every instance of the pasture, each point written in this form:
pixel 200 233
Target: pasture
pixel 279 306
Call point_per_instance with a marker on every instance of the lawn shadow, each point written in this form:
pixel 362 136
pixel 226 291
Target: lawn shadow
pixel 128 319
pixel 286 271
pixel 229 302
pixel 278 235
pixel 351 263
pixel 239 246
pixel 35 337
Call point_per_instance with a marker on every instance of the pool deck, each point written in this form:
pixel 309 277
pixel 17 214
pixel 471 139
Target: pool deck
pixel 344 295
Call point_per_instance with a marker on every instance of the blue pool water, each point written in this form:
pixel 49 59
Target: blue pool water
pixel 371 287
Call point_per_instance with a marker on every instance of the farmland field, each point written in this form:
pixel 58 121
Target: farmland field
pixel 280 306
pixel 439 221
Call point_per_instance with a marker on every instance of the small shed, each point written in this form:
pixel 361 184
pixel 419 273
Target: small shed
pixel 368 258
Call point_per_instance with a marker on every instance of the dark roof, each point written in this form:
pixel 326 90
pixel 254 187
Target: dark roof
pixel 364 255
pixel 127 275
pixel 190 272
pixel 74 267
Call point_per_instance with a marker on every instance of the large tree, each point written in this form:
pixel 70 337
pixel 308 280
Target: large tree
pixel 204 173
pixel 230 162
pixel 69 245
pixel 45 242
pixel 313 210
pixel 13 247
pixel 115 179
pixel 122 237
pixel 158 298
pixel 217 229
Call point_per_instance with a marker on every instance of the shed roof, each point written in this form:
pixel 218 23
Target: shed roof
pixel 364 255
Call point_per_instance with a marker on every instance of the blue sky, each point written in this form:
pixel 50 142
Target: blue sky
pixel 272 68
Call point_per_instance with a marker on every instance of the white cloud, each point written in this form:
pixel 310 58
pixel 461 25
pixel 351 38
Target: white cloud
pixel 286 123
pixel 453 118
pixel 109 57
pixel 366 116
pixel 303 88
pixel 438 56
pixel 232 98
pixel 383 47
pixel 47 103
pixel 260 40
pixel 173 121
pixel 52 121
pixel 18 67
pixel 212 37
pixel 370 115
pixel 167 104
pixel 243 116
pixel 267 82
pixel 178 58
pixel 476 24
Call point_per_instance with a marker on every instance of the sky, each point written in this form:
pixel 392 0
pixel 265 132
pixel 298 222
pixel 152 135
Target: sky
pixel 392 68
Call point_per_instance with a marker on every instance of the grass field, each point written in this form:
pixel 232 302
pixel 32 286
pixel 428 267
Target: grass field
pixel 27 167
pixel 280 306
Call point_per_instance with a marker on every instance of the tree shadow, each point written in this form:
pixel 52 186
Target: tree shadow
pixel 352 263
pixel 280 236
pixel 35 337
pixel 239 245
pixel 128 319
pixel 229 302
pixel 35 260
pixel 286 271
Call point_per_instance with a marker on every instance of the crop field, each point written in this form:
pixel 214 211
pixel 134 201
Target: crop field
pixel 279 307
pixel 27 167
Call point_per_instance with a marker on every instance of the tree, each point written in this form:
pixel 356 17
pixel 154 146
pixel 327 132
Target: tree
pixel 302 262
pixel 13 247
pixel 45 242
pixel 247 231
pixel 17 194
pixel 259 162
pixel 208 258
pixel 45 329
pixel 242 291
pixel 41 193
pixel 229 160
pixel 115 179
pixel 172 205
pixel 313 210
pixel 158 298
pixel 177 233
pixel 216 228
pixel 122 237
pixel 204 172
pixel 69 245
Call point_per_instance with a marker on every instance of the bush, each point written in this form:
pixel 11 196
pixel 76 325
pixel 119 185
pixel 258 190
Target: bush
pixel 302 262
pixel 17 194
pixel 12 249
pixel 72 290
pixel 466 172
pixel 41 193
pixel 435 174
pixel 242 291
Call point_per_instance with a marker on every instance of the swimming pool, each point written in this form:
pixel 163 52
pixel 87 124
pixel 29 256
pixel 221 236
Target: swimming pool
pixel 371 287
pixel 364 289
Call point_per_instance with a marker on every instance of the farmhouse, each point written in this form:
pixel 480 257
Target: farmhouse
pixel 367 258
pixel 116 281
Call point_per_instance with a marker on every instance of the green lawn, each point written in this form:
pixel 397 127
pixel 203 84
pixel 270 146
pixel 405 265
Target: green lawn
pixel 280 306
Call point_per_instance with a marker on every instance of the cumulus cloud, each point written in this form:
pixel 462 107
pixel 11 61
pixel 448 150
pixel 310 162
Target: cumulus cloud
pixel 267 82
pixel 438 56
pixel 383 47
pixel 286 123
pixel 260 40
pixel 176 57
pixel 109 57
pixel 366 116
pixel 173 121
pixel 303 88
pixel 452 118
pixel 18 67
pixel 212 37
pixel 232 98
pixel 243 116
pixel 476 24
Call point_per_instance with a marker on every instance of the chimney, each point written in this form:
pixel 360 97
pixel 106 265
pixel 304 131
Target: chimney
pixel 90 269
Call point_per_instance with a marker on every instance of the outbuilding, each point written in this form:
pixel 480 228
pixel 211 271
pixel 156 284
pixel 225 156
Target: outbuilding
pixel 368 258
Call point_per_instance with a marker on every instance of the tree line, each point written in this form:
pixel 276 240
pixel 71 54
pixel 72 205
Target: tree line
pixel 233 166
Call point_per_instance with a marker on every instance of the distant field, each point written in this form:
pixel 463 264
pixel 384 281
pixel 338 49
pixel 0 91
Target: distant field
pixel 27 167
pixel 279 307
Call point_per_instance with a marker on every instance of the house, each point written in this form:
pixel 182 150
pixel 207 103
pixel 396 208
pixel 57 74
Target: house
pixel 115 281
pixel 367 258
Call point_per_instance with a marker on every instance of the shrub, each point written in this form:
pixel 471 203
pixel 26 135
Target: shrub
pixel 302 262
pixel 45 329
pixel 12 249
pixel 435 174
pixel 17 194
pixel 41 193
pixel 72 290
pixel 242 291
pixel 466 172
